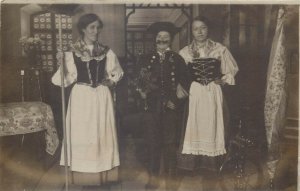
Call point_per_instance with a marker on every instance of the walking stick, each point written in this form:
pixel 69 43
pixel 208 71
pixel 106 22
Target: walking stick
pixel 63 103
pixel 68 9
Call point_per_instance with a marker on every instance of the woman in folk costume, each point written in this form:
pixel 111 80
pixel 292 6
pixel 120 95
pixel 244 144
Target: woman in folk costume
pixel 161 73
pixel 93 154
pixel 211 65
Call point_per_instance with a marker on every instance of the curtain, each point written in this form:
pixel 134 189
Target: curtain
pixel 275 98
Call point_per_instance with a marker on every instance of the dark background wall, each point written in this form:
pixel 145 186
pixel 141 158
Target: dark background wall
pixel 10 52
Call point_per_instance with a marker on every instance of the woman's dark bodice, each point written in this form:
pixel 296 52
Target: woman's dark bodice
pixel 92 72
pixel 205 70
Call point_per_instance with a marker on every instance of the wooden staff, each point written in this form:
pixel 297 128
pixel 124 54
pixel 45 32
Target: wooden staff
pixel 67 9
pixel 62 68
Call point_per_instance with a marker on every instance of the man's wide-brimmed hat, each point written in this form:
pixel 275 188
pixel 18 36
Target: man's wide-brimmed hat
pixel 163 26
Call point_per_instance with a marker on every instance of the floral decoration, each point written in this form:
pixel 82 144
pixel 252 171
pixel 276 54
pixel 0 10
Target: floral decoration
pixel 30 44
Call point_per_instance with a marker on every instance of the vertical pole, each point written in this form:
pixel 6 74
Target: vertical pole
pixel 63 105
pixel 22 84
pixel 37 74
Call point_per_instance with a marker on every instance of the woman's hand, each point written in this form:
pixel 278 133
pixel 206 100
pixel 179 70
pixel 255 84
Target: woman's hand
pixel 219 82
pixel 108 83
pixel 59 57
pixel 171 105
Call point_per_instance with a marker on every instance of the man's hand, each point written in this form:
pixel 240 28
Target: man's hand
pixel 171 105
pixel 143 94
pixel 181 93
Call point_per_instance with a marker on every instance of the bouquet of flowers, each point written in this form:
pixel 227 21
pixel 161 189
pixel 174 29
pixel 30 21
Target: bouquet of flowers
pixel 144 82
pixel 30 44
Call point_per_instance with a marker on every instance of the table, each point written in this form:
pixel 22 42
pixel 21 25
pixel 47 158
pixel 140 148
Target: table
pixel 29 117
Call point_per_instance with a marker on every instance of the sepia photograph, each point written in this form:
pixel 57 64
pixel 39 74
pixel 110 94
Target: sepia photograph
pixel 149 96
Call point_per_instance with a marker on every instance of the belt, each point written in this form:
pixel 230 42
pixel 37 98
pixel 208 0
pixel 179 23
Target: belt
pixel 87 84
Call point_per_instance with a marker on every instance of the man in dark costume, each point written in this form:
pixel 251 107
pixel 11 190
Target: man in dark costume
pixel 162 83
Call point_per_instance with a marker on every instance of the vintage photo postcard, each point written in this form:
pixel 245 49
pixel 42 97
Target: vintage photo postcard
pixel 158 95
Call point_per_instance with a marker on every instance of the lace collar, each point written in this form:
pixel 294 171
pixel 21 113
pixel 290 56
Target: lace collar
pixel 80 48
pixel 193 48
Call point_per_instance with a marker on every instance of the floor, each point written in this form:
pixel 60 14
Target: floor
pixel 22 165
pixel 24 169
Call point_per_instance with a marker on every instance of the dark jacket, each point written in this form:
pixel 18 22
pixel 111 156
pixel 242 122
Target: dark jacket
pixel 159 77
